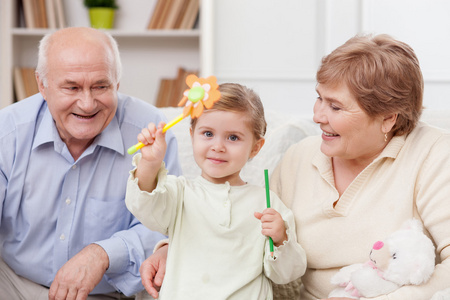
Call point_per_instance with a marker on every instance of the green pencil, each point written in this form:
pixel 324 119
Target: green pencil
pixel 266 177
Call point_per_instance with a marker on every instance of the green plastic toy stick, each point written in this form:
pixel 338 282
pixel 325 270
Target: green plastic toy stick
pixel 266 177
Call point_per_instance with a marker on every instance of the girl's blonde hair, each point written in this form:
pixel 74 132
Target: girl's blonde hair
pixel 238 98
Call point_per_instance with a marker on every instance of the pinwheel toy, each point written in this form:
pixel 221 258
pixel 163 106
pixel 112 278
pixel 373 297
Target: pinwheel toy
pixel 202 93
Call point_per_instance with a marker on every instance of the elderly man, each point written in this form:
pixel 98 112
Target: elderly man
pixel 64 229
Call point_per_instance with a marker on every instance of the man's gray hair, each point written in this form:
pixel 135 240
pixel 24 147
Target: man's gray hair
pixel 44 44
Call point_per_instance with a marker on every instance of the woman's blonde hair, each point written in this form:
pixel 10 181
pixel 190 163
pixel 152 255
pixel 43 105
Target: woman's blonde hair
pixel 238 98
pixel 382 73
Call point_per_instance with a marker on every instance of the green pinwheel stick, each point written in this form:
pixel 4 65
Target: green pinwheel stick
pixel 266 177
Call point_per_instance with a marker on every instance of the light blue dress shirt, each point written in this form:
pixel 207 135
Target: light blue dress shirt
pixel 51 206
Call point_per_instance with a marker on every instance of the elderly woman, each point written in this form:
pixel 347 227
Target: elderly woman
pixel 374 166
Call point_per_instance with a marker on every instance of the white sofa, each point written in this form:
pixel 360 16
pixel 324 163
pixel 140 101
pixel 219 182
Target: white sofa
pixel 283 130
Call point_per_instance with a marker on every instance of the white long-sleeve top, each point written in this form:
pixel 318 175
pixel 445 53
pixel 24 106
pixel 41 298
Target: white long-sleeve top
pixel 216 249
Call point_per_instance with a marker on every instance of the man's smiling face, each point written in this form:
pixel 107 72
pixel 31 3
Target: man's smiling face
pixel 81 90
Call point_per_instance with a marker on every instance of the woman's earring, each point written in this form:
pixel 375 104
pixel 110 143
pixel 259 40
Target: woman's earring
pixel 385 136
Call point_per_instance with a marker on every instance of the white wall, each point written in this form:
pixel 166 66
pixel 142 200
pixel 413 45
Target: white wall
pixel 275 46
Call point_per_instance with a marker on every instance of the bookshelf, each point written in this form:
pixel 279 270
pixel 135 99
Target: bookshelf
pixel 147 55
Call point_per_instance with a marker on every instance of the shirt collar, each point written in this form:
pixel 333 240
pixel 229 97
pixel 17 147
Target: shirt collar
pixel 392 149
pixel 46 132
pixel 111 137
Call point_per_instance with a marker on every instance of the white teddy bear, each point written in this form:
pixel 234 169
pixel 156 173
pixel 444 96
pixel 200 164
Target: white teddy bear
pixel 407 256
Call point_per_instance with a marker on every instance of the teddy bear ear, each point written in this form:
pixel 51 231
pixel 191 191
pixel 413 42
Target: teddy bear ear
pixel 413 224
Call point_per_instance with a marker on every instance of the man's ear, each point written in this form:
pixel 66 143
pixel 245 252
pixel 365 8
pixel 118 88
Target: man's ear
pixel 40 85
pixel 256 147
pixel 389 122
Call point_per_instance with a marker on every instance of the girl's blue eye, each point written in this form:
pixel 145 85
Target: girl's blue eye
pixel 208 134
pixel 233 138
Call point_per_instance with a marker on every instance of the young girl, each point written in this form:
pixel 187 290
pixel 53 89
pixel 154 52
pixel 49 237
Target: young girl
pixel 216 247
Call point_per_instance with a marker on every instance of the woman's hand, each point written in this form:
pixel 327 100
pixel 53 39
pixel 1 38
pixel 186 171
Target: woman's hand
pixel 272 225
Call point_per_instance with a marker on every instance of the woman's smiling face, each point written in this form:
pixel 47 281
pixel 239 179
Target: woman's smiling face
pixel 348 131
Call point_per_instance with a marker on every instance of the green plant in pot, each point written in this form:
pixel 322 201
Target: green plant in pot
pixel 101 13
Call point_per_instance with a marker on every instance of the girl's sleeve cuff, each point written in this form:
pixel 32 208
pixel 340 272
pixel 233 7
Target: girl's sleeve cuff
pixel 160 244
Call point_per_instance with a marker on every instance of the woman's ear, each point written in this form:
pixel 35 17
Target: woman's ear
pixel 389 122
pixel 256 147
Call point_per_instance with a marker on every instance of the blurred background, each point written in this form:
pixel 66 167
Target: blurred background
pixel 274 47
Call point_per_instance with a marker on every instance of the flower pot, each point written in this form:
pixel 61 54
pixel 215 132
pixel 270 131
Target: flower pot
pixel 101 17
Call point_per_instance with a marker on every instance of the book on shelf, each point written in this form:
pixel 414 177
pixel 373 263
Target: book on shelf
pixel 159 13
pixel 156 14
pixel 42 13
pixel 25 84
pixel 174 11
pixel 51 13
pixel 59 12
pixel 165 92
pixel 27 6
pixel 190 15
pixel 171 89
pixel 180 14
pixel 19 85
pixel 164 13
pixel 174 14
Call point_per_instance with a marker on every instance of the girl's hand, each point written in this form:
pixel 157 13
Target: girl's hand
pixel 152 156
pixel 155 143
pixel 272 225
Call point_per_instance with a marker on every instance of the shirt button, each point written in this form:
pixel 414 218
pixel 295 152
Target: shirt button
pixel 74 167
pixel 62 237
pixel 68 201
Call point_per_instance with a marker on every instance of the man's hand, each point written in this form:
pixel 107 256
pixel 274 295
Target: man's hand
pixel 78 277
pixel 153 270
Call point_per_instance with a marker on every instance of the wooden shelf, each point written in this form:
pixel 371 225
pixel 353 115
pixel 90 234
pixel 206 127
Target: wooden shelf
pixel 175 33
pixel 147 55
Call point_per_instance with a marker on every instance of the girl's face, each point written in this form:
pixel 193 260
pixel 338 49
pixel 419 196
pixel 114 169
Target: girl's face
pixel 349 133
pixel 223 142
